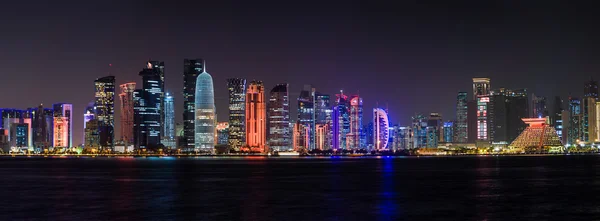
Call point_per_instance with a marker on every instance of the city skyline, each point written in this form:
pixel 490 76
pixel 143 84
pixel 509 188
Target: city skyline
pixel 438 56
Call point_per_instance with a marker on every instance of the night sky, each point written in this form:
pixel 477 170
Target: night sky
pixel 414 57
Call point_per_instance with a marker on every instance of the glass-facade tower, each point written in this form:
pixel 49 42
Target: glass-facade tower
pixel 237 112
pixel 205 113
pixel 191 70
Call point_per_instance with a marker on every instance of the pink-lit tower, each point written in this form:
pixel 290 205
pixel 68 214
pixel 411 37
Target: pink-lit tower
pixel 126 97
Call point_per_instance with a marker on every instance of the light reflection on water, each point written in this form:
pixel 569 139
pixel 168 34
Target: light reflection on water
pixel 324 188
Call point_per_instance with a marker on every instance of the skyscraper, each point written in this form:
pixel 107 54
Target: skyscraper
pixel 147 101
pixel 449 131
pixel 588 122
pixel 482 117
pixel 481 87
pixel 471 121
pixel 159 67
pixel 323 121
pixel 205 113
pixel 40 129
pixel 419 128
pixel 279 118
pixel 306 114
pixel 63 125
pixel 556 117
pixel 344 117
pixel 435 129
pixel 505 111
pixel 539 108
pixel 335 128
pixel 127 105
pixel 168 138
pixel 574 129
pixel 105 110
pixel 461 118
pixel 255 117
pixel 191 70
pixel 353 138
pixel 381 127
pixel 590 89
pixel 237 112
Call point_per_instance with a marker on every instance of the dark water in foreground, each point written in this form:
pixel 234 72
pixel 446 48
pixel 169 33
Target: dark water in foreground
pixel 450 188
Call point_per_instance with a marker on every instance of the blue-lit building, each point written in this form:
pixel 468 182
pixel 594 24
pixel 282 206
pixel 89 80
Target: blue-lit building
pixel 169 122
pixel 147 102
pixel 344 109
pixel 419 128
pixel 306 116
pixel 449 132
pixel 335 128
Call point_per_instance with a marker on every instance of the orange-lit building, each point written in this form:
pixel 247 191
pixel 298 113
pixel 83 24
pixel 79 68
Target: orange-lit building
pixel 61 132
pixel 126 97
pixel 256 117
pixel 537 137
pixel 322 132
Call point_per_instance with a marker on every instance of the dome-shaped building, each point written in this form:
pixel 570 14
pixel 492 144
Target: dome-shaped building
pixel 204 139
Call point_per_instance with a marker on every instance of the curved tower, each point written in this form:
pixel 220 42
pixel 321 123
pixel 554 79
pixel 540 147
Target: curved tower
pixel 381 128
pixel 204 139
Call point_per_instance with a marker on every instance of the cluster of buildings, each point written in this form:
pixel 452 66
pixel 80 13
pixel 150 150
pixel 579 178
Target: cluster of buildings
pixel 507 120
pixel 260 122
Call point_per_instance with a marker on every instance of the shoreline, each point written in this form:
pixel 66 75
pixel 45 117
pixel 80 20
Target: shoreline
pixel 282 156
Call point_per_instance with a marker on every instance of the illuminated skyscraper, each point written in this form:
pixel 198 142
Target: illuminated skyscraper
pixel 147 101
pixel 449 131
pixel 335 128
pixel 538 107
pixel 159 67
pixel 105 110
pixel 256 117
pixel 92 138
pixel 381 129
pixel 481 87
pixel 556 117
pixel 353 138
pixel 205 113
pixel 434 129
pixel 63 125
pixel 191 70
pixel 574 129
pixel 169 122
pixel 482 117
pixel 127 111
pixel 323 120
pixel 588 123
pixel 306 114
pixel 419 128
pixel 279 119
pixel 237 112
pixel 344 117
pixel 461 118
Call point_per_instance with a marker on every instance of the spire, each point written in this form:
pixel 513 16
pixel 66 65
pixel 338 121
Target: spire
pixel 204 66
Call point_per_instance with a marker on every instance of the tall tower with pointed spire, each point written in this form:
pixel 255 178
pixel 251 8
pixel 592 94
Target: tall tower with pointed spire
pixel 205 113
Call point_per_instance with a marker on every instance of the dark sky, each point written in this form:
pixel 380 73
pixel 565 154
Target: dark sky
pixel 414 57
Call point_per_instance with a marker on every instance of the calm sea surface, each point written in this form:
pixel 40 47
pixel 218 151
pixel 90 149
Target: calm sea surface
pixel 256 188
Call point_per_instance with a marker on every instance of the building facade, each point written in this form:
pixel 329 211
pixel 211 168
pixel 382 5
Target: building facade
pixel 147 101
pixel 127 104
pixel 237 112
pixel 191 70
pixel 63 126
pixel 280 136
pixel 256 117
pixel 355 137
pixel 461 118
pixel 205 113
pixel 105 110
pixel 381 129
pixel 306 114
pixel 168 136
